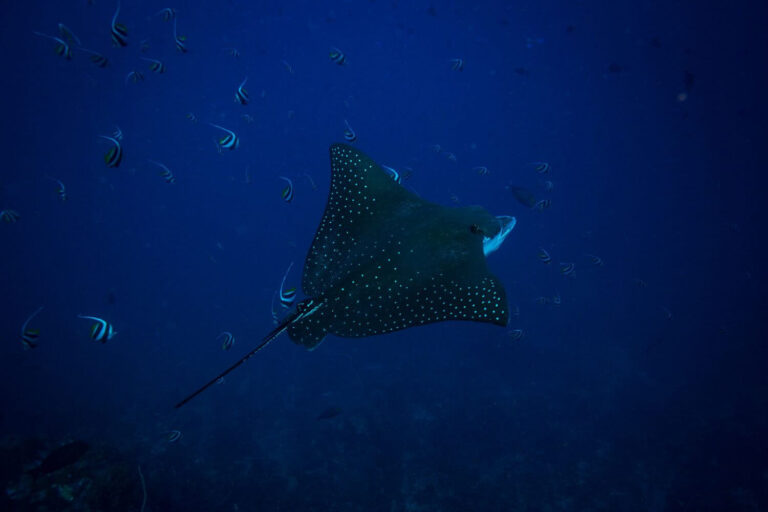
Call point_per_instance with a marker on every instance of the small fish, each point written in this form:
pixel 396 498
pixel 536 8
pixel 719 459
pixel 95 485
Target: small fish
pixel 287 297
pixel 118 133
pixel 457 64
pixel 68 35
pixel 567 269
pixel 102 330
pixel 349 133
pixel 287 66
pixel 330 412
pixel 515 311
pixel 311 181
pixel 595 260
pixel 530 42
pixel 173 436
pixel 544 256
pixel 450 156
pixel 97 58
pixel 275 317
pixel 144 45
pixel 548 186
pixel 29 336
pixel 62 190
pixel 541 167
pixel 180 41
pixel 134 76
pixel 287 193
pixel 542 204
pixel 165 172
pixel 227 340
pixel 436 148
pixel 248 118
pixel 455 199
pixel 9 216
pixel 155 65
pixel 167 14
pixel 233 52
pixel 394 174
pixel 230 141
pixel 541 300
pixel 667 313
pixel 337 56
pixel 118 30
pixel 191 117
pixel 556 299
pixel 241 95
pixel 482 170
pixel 62 47
pixel 114 156
pixel 515 334
pixel 640 283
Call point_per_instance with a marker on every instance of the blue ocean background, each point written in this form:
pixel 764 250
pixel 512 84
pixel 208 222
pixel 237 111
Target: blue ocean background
pixel 644 389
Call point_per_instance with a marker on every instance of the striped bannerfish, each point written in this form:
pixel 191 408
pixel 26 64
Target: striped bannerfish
pixel 167 14
pixel 241 95
pixel 393 173
pixel 155 65
pixel 180 41
pixel 118 30
pixel 165 172
pixel 102 330
pixel 9 216
pixel 114 156
pixel 134 76
pixel 542 204
pixel 29 336
pixel 515 334
pixel 287 297
pixel 62 47
pixel 118 133
pixel 541 167
pixel 544 256
pixel 97 58
pixel 567 269
pixel 595 260
pixel 349 133
pixel 337 56
pixel 230 141
pixel 457 64
pixel 287 193
pixel 173 436
pixel 68 35
pixel 228 340
pixel 62 190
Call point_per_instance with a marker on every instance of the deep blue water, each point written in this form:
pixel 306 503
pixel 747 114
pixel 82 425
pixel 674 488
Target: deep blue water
pixel 644 389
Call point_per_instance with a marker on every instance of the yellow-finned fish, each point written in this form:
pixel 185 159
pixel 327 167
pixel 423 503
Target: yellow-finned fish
pixel 155 65
pixel 102 330
pixel 230 141
pixel 9 216
pixel 63 49
pixel 287 297
pixel 337 56
pixel 180 41
pixel 241 95
pixel 118 30
pixel 349 133
pixel 114 156
pixel 287 195
pixel 29 336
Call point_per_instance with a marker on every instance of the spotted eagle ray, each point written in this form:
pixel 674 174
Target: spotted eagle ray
pixel 383 260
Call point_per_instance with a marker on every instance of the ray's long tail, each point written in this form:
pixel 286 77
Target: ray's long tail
pixel 277 331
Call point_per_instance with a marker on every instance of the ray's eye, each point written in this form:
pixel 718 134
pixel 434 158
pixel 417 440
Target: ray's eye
pixel 475 229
